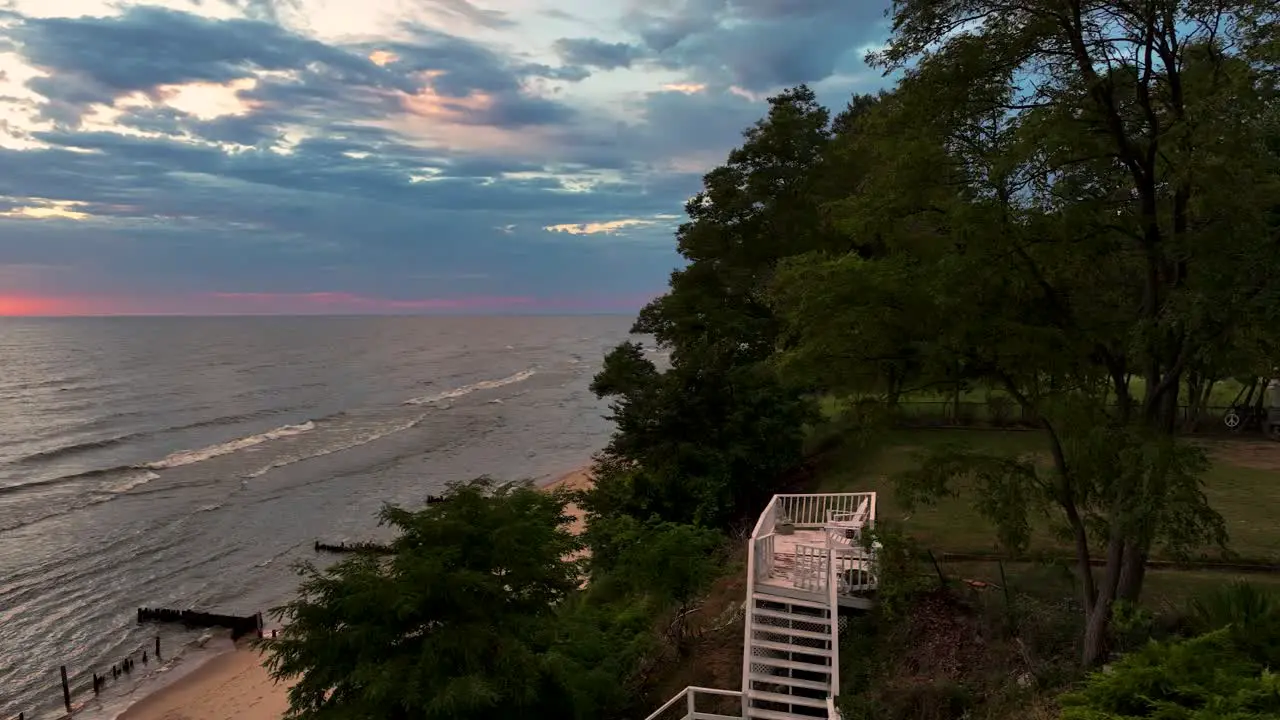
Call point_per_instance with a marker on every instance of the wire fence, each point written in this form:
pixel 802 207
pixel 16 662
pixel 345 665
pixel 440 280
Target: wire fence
pixel 1001 412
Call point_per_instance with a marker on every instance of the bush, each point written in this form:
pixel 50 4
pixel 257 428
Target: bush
pixel 1239 603
pixel 1215 676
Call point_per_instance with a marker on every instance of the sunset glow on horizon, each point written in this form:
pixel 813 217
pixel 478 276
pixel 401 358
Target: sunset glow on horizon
pixel 316 303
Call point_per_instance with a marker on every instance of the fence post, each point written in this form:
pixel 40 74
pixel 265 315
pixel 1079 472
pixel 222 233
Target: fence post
pixel 690 694
pixel 157 648
pixel 66 688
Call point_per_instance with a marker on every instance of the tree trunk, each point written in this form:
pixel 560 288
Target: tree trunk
pixel 895 388
pixel 1133 570
pixel 1099 620
pixel 1195 387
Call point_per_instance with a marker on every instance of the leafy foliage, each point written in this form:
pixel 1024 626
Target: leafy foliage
pixel 694 444
pixel 459 623
pixel 703 441
pixel 1239 604
pixel 1208 677
pixel 1051 195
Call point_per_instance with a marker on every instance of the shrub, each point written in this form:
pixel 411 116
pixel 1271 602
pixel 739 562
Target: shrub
pixel 1238 603
pixel 1215 676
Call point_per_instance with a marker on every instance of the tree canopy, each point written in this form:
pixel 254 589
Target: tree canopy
pixel 1064 196
pixel 458 623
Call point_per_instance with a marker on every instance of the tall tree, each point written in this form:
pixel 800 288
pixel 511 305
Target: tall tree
pixel 759 206
pixel 703 440
pixel 457 623
pixel 1075 192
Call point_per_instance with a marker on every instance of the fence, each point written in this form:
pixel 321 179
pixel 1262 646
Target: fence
pixel 1001 412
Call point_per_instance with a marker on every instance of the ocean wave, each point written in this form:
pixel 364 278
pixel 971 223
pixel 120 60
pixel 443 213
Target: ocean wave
pixel 131 476
pixel 105 443
pixel 190 457
pixel 468 389
pixel 77 448
pixel 371 435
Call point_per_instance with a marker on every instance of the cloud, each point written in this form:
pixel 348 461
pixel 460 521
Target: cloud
pixel 607 227
pixel 95 60
pixel 758 45
pixel 155 52
pixel 463 9
pixel 597 53
pixel 166 161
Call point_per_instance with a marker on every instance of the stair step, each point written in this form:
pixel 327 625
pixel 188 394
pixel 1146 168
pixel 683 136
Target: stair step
pixel 793 682
pixel 791 664
pixel 793 632
pixel 791 648
pixel 787 699
pixel 762 714
pixel 783 600
pixel 778 614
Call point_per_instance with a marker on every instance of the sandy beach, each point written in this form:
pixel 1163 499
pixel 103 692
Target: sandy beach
pixel 236 686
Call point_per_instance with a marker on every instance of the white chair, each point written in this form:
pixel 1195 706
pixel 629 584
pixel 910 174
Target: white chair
pixel 843 528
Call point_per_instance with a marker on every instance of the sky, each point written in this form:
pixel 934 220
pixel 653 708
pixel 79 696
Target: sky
pixel 381 156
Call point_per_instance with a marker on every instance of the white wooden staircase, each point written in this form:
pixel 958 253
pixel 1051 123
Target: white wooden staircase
pixel 805 562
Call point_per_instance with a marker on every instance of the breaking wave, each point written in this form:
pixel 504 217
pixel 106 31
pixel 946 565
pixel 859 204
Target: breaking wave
pixel 468 389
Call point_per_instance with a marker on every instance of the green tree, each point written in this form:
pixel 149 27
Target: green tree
pixel 1069 194
pixel 460 622
pixel 705 440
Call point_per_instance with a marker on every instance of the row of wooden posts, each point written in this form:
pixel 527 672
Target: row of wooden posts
pixel 240 625
pixel 368 547
pixel 355 547
pixel 100 681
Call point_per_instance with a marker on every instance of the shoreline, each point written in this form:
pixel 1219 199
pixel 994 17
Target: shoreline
pixel 234 685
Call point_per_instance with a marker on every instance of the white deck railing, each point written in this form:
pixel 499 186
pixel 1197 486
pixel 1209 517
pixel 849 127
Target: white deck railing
pixel 842 562
pixel 816 510
pixel 689 706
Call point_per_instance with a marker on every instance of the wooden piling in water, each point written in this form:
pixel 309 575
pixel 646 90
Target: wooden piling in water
pixel 157 648
pixel 239 625
pixel 66 688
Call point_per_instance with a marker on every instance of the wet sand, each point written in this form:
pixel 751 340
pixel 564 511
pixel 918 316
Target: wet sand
pixel 233 686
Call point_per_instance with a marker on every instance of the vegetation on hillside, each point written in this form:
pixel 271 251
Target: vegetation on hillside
pixel 1070 202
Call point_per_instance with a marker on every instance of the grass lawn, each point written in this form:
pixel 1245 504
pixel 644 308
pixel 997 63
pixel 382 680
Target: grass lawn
pixel 1243 485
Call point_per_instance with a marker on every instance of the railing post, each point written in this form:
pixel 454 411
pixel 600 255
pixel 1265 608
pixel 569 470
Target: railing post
pixel 691 704
pixel 834 599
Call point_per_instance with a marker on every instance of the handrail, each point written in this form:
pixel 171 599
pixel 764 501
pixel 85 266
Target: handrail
pixel 833 584
pixel 748 614
pixel 809 509
pixel 689 695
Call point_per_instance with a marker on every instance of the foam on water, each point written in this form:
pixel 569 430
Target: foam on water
pixel 189 457
pixel 473 387
pixel 369 435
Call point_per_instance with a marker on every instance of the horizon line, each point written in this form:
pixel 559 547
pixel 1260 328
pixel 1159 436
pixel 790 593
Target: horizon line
pixel 437 313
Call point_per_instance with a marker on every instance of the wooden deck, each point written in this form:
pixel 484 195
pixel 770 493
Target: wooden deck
pixel 785 581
